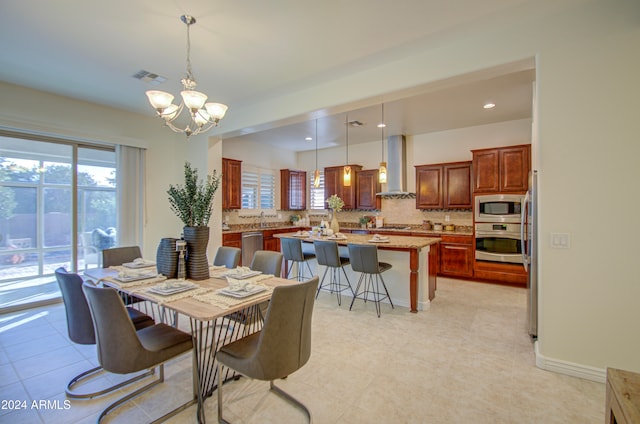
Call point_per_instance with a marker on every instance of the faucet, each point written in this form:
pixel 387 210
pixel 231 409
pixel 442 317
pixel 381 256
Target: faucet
pixel 263 223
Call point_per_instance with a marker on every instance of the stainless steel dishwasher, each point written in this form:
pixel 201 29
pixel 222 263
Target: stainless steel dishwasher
pixel 250 243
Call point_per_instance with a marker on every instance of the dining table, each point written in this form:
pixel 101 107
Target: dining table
pixel 217 315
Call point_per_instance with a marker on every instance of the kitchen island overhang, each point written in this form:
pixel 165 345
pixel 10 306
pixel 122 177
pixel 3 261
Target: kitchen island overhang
pixel 414 261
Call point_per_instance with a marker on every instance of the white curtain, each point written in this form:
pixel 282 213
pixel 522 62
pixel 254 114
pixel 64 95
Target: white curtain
pixel 130 190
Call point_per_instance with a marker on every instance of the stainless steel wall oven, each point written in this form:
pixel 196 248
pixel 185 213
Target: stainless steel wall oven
pixel 499 242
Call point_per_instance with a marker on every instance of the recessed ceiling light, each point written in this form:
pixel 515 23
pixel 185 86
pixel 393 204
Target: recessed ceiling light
pixel 489 105
pixel 382 125
pixel 308 138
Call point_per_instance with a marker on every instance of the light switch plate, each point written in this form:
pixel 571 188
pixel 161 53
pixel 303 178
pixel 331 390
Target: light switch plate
pixel 560 240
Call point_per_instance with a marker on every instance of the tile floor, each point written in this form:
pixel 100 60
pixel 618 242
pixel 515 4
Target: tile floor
pixel 465 360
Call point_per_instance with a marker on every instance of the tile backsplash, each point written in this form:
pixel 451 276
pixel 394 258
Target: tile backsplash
pixel 394 211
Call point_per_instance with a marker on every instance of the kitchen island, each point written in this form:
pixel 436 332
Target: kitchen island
pixel 419 271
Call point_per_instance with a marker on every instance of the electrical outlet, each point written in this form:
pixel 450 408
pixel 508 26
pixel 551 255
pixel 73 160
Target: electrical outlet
pixel 447 218
pixel 560 240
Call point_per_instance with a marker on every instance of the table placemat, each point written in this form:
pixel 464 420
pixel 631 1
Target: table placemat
pixel 226 302
pixel 121 285
pixel 160 299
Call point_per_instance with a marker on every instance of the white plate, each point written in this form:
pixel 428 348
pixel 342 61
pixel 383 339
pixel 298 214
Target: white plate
pixel 175 288
pixel 243 293
pixel 136 277
pixel 302 235
pixel 135 265
pixel 379 241
pixel 236 275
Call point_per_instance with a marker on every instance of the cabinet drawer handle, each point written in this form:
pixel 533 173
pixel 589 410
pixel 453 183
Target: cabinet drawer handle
pixel 455 247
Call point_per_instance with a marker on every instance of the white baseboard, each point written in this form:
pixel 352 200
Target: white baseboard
pixel 569 368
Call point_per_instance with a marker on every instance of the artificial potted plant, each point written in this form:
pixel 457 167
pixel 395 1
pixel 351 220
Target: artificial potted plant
pixel 192 202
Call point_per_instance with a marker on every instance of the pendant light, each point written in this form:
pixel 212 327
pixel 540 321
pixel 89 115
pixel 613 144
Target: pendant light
pixel 346 180
pixel 316 173
pixel 382 170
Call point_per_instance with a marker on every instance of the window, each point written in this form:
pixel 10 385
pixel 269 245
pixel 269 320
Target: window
pixel 316 195
pixel 38 221
pixel 258 189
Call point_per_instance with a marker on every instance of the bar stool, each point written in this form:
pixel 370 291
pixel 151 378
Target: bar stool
pixel 329 256
pixel 364 259
pixel 292 251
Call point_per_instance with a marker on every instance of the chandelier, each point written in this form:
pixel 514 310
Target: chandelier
pixel 203 116
pixel 382 170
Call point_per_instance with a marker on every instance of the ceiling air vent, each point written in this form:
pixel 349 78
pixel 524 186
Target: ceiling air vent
pixel 149 77
pixel 355 123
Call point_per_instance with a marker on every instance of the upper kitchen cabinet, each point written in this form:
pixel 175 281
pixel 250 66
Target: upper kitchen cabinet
pixel 504 169
pixel 367 186
pixel 293 190
pixel 231 184
pixel 444 186
pixel 333 184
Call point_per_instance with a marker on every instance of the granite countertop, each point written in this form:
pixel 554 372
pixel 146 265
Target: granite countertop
pixel 246 229
pixel 396 242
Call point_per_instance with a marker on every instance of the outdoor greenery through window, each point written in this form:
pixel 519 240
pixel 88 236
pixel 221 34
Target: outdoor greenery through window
pixel 316 195
pixel 258 189
pixel 38 180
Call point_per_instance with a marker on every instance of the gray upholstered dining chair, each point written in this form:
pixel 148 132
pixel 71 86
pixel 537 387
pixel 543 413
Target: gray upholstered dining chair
pixel 267 262
pixel 227 256
pixel 81 331
pixel 293 253
pixel 329 256
pixel 120 255
pixel 364 259
pixel 282 346
pixel 123 350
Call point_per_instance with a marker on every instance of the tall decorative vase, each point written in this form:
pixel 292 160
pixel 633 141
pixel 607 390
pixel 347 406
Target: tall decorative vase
pixel 334 222
pixel 197 239
pixel 167 257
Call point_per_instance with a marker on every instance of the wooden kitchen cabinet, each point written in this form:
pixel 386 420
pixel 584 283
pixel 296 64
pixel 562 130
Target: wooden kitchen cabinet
pixel 456 256
pixel 444 186
pixel 269 241
pixel 503 169
pixel 333 184
pixel 367 186
pixel 232 240
pixel 293 190
pixel 231 184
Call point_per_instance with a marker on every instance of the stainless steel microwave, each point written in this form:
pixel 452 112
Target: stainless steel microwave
pixel 499 208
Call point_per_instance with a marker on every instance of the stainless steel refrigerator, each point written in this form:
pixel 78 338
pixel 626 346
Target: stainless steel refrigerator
pixel 529 230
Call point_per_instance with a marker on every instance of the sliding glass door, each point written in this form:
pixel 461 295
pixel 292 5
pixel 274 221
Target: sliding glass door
pixel 57 208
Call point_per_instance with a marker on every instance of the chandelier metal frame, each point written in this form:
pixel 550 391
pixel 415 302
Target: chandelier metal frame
pixel 204 116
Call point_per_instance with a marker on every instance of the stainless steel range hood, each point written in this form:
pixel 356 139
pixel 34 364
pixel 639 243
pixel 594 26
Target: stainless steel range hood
pixel 396 168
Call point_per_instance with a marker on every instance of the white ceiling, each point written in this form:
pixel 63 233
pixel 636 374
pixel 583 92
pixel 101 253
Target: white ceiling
pixel 243 50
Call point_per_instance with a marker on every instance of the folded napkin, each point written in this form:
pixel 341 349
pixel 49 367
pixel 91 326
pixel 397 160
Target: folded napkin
pixel 380 237
pixel 236 285
pixel 302 233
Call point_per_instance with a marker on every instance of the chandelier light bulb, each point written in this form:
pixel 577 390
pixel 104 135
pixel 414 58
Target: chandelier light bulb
pixel 160 100
pixel 216 110
pixel 316 178
pixel 347 176
pixel 382 173
pixel 194 100
pixel 170 113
